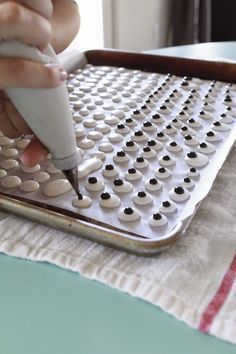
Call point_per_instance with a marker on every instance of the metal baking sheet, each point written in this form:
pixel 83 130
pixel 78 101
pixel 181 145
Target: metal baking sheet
pixel 98 229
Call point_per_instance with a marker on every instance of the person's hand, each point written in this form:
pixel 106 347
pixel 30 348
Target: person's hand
pixel 18 21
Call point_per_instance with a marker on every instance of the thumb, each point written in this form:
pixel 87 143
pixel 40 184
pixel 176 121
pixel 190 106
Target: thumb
pixel 34 152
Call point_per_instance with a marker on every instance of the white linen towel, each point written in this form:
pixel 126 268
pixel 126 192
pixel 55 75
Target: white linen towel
pixel 194 280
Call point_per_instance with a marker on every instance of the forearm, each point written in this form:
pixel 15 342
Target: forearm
pixel 65 23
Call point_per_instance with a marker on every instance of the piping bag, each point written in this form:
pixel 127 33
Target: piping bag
pixel 46 111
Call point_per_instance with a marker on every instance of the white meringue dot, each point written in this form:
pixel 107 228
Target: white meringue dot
pixel 57 187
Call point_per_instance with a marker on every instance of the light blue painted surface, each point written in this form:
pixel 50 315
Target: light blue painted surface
pixel 47 310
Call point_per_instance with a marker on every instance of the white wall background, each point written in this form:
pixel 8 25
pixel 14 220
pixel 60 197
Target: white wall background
pixel 90 35
pixel 123 24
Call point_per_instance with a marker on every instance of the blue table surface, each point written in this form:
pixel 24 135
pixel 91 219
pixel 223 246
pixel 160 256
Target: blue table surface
pixel 48 310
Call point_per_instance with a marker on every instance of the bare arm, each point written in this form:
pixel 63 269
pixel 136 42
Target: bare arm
pixel 65 23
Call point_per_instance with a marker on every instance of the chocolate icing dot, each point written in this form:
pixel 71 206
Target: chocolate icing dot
pixel 92 180
pixel 153 181
pixel 192 155
pixel 191 120
pixel 203 145
pixel 144 107
pixel 129 143
pixel 80 196
pixel 166 158
pixel 140 159
pixel 147 124
pixel 156 116
pixel 131 171
pixel 162 170
pixel 142 194
pixel 157 216
pixel 217 124
pixel 188 137
pixel 163 107
pixel 105 196
pixel 187 180
pixel 109 167
pixel 210 133
pixel 193 169
pixel 129 120
pixel 179 190
pixel 168 126
pixel 120 153
pixel 128 211
pixel 151 143
pixel 120 126
pixel 173 143
pixel 138 133
pixel 136 112
pixel 228 99
pixel 118 182
pixel 160 134
pixel 146 149
pixel 166 204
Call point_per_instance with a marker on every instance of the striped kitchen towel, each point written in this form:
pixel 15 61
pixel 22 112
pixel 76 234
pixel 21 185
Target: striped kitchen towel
pixel 194 280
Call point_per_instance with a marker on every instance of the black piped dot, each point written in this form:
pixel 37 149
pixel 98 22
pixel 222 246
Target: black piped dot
pixel 166 204
pixel 138 133
pixel 140 159
pixel 160 135
pixel 188 137
pixel 179 190
pixel 151 143
pixel 210 133
pixel 118 182
pixel 80 196
pixel 105 196
pixel 142 194
pixel 163 107
pixel 192 155
pixel 217 124
pixel 92 180
pixel 156 116
pixel 120 153
pixel 173 143
pixel 193 169
pixel 146 149
pixel 162 170
pixel 131 171
pixel 203 145
pixel 147 124
pixel 109 167
pixel 120 126
pixel 187 180
pixel 128 211
pixel 157 216
pixel 129 143
pixel 166 158
pixel 153 181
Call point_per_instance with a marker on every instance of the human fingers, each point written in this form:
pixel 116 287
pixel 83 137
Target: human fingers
pixel 34 152
pixel 30 74
pixel 42 7
pixel 18 22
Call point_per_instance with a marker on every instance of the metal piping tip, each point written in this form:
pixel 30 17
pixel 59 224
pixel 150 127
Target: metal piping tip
pixel 72 176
